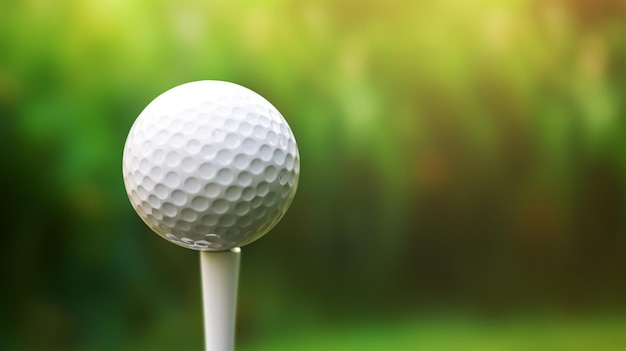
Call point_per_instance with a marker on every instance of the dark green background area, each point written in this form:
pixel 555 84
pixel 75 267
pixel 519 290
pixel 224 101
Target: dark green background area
pixel 463 174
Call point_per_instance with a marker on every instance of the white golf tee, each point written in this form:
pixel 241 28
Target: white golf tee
pixel 220 274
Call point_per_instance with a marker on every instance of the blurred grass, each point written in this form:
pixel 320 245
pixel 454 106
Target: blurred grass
pixel 449 334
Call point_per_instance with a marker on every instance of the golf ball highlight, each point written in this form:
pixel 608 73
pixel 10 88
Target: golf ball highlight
pixel 210 165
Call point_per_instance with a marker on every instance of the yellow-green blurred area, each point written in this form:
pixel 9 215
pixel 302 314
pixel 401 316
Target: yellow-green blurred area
pixel 463 173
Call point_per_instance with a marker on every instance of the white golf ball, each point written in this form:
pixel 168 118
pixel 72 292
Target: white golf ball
pixel 210 165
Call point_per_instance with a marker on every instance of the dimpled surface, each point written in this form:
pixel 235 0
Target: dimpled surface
pixel 210 165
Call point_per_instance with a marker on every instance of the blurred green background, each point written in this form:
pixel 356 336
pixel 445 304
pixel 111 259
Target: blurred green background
pixel 463 173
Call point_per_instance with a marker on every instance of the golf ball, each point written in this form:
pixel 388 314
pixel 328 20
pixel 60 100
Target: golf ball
pixel 210 165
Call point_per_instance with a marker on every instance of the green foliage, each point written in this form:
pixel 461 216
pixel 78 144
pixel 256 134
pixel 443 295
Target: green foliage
pixel 467 154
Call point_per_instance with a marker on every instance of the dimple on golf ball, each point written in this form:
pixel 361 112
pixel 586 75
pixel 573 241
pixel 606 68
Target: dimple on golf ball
pixel 210 165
